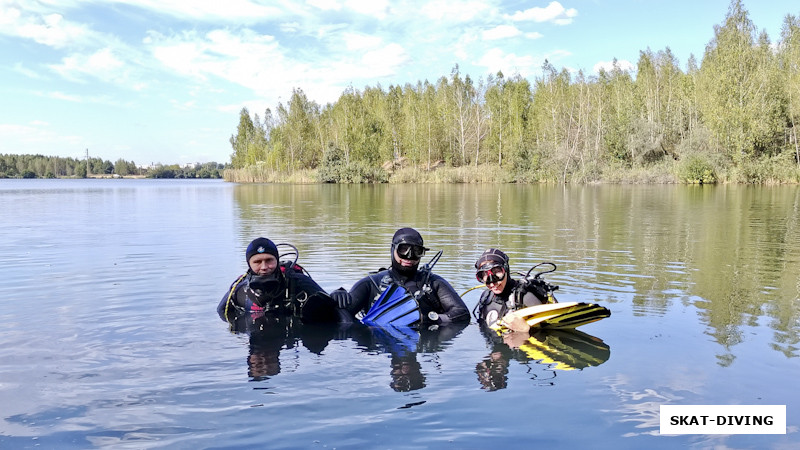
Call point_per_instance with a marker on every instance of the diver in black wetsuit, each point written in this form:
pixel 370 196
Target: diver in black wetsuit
pixel 270 287
pixel 505 294
pixel 438 301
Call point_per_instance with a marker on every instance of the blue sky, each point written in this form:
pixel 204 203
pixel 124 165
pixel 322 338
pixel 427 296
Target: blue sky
pixel 164 80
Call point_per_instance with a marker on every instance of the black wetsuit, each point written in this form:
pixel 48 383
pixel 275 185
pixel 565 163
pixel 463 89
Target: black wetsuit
pixel 282 294
pixel 493 307
pixel 441 299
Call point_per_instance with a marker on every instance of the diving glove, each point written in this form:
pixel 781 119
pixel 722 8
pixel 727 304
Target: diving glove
pixel 342 298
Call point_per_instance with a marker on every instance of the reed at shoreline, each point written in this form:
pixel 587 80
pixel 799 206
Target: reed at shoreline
pixel 766 172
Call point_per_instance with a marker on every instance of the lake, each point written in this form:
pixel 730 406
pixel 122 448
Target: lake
pixel 110 336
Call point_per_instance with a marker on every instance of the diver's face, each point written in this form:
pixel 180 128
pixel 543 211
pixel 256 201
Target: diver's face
pixel 493 276
pixel 403 261
pixel 263 264
pixel 498 286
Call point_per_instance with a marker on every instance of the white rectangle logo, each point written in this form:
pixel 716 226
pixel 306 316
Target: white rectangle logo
pixel 723 419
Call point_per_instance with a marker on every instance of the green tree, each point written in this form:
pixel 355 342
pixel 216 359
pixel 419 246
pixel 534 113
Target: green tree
pixel 298 133
pixel 124 168
pixel 737 98
pixel 789 62
pixel 618 112
pixel 80 170
pixel 434 142
pixel 241 141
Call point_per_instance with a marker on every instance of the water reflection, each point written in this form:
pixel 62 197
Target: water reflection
pixel 403 345
pixel 553 349
pixel 270 335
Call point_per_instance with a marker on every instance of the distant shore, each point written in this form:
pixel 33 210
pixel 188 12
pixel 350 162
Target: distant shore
pixel 663 173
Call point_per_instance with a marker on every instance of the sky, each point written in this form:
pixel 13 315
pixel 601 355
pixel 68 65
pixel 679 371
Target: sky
pixel 163 81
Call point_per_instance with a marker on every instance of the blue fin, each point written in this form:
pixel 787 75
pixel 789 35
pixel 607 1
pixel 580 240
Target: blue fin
pixel 399 341
pixel 394 307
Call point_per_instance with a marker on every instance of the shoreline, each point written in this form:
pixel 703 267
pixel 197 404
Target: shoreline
pixel 666 173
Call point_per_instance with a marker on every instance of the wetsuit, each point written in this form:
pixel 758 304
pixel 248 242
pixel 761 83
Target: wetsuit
pixel 281 294
pixel 440 298
pixel 514 296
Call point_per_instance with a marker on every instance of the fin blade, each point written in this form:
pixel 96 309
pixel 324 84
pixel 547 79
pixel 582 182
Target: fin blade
pixel 394 307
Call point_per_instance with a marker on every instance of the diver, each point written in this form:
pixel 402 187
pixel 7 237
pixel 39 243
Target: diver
pixel 438 302
pixel 270 287
pixel 505 294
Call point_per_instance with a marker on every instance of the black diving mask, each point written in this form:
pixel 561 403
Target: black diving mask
pixel 411 251
pixel 491 273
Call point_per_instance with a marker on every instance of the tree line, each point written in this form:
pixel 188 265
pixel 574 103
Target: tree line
pixel 39 166
pixel 730 117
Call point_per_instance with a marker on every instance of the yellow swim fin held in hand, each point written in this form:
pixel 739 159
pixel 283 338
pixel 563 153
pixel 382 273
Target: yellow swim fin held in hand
pixel 559 315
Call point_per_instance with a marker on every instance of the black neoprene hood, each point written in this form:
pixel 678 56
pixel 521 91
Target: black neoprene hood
pixel 407 236
pixel 493 255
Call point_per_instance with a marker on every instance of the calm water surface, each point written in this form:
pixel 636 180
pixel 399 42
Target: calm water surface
pixel 110 336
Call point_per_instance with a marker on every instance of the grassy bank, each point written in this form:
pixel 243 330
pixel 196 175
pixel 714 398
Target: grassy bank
pixel 687 171
pixel 262 174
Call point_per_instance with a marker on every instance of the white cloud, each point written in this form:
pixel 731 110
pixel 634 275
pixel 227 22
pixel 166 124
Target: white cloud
pixel 554 12
pixel 325 5
pixel 66 97
pixel 454 11
pixel 103 65
pixel 48 29
pixel 37 133
pixel 290 27
pixel 103 60
pixel 93 99
pixel 331 30
pixel 358 41
pixel 9 17
pixel 501 32
pixel 15 129
pixel 375 8
pixel 111 63
pixel 219 52
pixel 496 59
pixel 245 58
pixel 183 105
pixel 608 66
pixel 19 68
pixel 210 10
pixel 384 61
pixel 259 63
